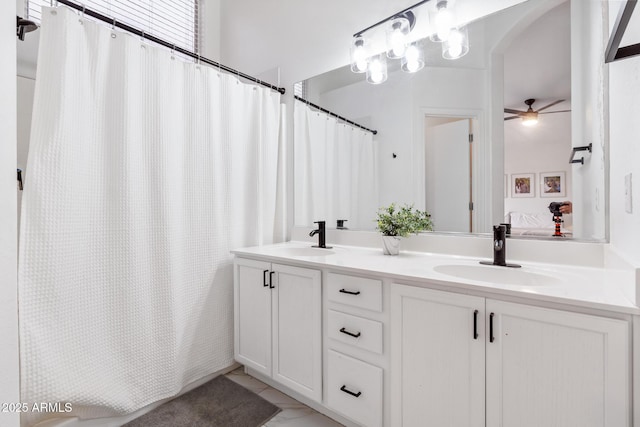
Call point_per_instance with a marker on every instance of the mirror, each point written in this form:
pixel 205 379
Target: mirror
pixel 548 50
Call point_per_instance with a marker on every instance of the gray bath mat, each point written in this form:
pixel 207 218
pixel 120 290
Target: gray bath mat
pixel 218 403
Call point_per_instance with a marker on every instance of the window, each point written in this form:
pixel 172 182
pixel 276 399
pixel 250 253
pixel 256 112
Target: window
pixel 175 21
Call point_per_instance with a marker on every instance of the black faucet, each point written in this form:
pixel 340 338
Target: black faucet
pixel 500 247
pixel 321 232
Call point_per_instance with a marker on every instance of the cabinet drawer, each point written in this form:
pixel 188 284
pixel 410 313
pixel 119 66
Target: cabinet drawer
pixel 368 333
pixel 355 291
pixel 355 389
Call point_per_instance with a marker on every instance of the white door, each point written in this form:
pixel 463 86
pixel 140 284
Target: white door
pixel 448 175
pixel 252 314
pixel 297 329
pixel 556 369
pixel 437 358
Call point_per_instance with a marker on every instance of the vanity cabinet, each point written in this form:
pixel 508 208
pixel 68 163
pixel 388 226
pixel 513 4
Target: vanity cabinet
pixel 278 323
pixel 355 348
pixel 456 356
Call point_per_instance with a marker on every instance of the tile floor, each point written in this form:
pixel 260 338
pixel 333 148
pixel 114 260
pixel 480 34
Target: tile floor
pixel 293 414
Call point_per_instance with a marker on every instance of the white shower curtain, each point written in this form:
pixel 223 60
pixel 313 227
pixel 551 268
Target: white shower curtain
pixel 335 171
pixel 144 171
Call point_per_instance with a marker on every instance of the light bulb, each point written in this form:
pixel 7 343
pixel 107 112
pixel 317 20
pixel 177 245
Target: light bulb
pixel 444 23
pixel 455 43
pixel 458 44
pixel 529 122
pixel 413 60
pixel 397 32
pixel 360 59
pixel 377 70
pixel 397 44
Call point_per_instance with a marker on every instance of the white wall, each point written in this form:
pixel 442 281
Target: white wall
pixel 210 28
pixel 544 147
pixel 589 85
pixel 624 128
pixel 9 368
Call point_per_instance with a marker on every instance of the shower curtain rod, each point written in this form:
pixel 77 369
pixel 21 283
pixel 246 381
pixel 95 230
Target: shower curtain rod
pixel 164 43
pixel 331 113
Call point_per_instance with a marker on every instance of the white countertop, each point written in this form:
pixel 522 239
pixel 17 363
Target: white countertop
pixel 596 288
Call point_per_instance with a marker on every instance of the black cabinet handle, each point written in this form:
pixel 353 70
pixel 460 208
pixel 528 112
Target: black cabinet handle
pixel 491 338
pixel 475 324
pixel 271 279
pixel 264 278
pixel 344 388
pixel 344 291
pixel 344 331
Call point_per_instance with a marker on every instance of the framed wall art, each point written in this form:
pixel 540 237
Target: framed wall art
pixel 523 185
pixel 553 184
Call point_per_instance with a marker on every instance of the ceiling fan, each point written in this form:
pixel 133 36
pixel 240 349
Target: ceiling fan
pixel 530 117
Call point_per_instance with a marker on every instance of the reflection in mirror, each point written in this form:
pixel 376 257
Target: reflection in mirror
pixel 443 143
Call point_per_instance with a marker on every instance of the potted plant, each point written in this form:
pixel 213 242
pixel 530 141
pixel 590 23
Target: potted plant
pixel 394 223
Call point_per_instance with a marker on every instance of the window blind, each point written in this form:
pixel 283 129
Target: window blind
pixel 175 21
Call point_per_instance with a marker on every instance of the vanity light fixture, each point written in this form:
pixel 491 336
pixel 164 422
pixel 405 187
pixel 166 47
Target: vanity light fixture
pixel 443 18
pixel 413 59
pixel 397 37
pixel 366 53
pixel 359 55
pixel 377 70
pixel 457 44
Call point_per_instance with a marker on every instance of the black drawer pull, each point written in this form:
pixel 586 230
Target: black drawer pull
pixel 271 279
pixel 475 325
pixel 491 338
pixel 344 291
pixel 344 388
pixel 344 331
pixel 264 278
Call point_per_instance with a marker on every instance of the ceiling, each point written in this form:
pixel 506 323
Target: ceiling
pixel 537 64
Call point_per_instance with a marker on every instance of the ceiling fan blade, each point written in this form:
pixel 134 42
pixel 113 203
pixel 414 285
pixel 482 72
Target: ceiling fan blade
pixel 511 118
pixel 559 111
pixel 512 111
pixel 551 105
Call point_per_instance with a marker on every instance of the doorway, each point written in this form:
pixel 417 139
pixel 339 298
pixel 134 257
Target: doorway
pixel 449 172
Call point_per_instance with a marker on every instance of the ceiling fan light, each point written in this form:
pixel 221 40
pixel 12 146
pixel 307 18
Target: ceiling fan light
pixel 359 54
pixel 397 33
pixel 529 118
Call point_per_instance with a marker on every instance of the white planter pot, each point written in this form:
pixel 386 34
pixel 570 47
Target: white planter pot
pixel 391 245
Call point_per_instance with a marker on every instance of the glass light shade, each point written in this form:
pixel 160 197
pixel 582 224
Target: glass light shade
pixel 413 59
pixel 457 45
pixel 530 118
pixel 377 70
pixel 359 55
pixel 443 20
pixel 397 32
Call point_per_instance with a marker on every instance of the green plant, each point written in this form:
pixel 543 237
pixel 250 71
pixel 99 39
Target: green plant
pixel 402 221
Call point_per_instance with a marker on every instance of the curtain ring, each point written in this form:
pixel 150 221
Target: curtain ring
pixel 173 51
pixel 113 25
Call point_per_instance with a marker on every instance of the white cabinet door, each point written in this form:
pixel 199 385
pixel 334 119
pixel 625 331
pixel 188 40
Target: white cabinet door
pixel 437 358
pixel 556 369
pixel 297 329
pixel 252 314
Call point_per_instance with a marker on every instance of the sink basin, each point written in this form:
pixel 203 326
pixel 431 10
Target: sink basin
pixel 309 251
pixel 499 275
